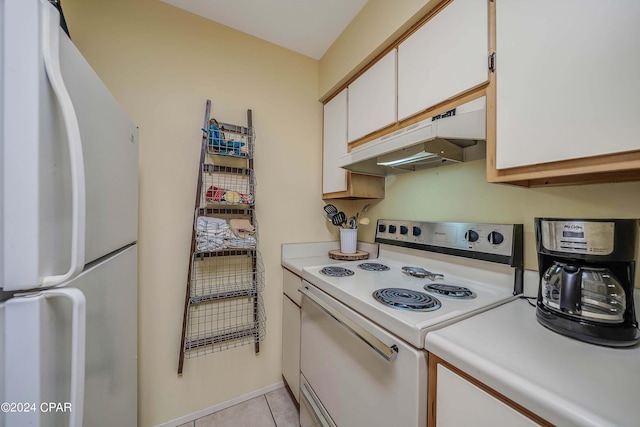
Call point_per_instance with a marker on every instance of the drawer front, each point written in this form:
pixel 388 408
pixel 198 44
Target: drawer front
pixel 291 285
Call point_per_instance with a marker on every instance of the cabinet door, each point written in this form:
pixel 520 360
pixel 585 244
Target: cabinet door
pixel 291 284
pixel 334 178
pixel 478 408
pixel 372 98
pixel 445 57
pixel 291 345
pixel 567 80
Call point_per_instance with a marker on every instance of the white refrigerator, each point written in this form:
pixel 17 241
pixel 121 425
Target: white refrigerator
pixel 68 232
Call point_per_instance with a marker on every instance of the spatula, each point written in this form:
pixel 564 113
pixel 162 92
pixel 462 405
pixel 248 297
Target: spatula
pixel 339 219
pixel 330 209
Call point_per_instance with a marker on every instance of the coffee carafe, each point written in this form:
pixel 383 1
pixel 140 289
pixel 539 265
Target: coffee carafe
pixel 587 270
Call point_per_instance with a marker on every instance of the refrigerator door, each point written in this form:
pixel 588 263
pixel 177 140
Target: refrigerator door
pixel 69 182
pixel 38 351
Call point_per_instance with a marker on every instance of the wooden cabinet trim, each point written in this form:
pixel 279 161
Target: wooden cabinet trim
pixel 434 361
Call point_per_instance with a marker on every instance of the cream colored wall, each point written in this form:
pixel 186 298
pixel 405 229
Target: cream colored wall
pixel 162 64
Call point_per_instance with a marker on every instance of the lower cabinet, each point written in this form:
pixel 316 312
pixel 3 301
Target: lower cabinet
pixel 291 301
pixel 483 407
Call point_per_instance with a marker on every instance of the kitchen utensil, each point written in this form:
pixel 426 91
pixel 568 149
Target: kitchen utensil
pixel 330 209
pixel 364 221
pixel 363 210
pixel 339 219
pixel 586 279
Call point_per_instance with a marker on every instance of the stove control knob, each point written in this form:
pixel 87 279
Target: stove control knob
pixel 471 236
pixel 404 229
pixel 382 228
pixel 392 229
pixel 495 238
pixel 416 231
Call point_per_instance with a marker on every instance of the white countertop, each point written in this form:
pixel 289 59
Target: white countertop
pixel 296 256
pixel 565 381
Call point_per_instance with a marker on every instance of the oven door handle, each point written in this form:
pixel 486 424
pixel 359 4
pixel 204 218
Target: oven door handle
pixel 388 352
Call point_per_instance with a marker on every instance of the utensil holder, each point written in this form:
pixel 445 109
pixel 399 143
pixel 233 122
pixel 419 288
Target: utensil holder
pixel 348 240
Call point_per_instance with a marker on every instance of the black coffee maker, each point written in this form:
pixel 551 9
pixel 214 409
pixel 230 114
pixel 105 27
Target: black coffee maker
pixel 587 269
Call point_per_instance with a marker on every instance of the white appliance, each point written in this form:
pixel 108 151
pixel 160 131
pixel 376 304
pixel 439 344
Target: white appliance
pixel 68 253
pixel 363 362
pixel 454 136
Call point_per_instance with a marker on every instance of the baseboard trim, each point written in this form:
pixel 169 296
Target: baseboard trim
pixel 219 407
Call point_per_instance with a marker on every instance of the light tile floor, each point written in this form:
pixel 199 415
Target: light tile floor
pixel 274 409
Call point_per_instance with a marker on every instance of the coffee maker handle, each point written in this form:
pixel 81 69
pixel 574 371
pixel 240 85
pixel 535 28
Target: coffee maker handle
pixel 571 289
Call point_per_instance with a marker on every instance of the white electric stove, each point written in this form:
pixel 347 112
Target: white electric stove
pixel 465 283
pixel 426 276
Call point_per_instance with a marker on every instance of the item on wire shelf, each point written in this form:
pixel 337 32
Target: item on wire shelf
pixel 242 227
pixel 211 225
pixel 214 234
pixel 214 194
pixel 209 244
pixel 217 194
pixel 249 242
pixel 219 143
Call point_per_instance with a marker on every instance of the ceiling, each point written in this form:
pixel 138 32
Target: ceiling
pixel 308 27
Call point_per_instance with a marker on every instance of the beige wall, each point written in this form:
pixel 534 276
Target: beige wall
pixel 162 64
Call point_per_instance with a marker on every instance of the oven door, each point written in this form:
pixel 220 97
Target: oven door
pixel 356 373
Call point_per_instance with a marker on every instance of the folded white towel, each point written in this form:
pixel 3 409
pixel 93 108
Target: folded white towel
pixel 209 224
pixel 208 246
pixel 215 234
pixel 212 240
pixel 241 243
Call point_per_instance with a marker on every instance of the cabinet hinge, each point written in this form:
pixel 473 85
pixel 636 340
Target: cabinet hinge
pixel 492 62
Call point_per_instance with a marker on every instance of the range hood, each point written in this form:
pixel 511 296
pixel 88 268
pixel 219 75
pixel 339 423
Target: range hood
pixel 452 137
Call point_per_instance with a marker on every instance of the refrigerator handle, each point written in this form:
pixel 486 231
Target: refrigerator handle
pixel 51 49
pixel 78 341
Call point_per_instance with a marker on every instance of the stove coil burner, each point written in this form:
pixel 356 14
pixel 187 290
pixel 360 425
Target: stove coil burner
pixel 406 299
pixel 334 271
pixel 373 266
pixel 451 291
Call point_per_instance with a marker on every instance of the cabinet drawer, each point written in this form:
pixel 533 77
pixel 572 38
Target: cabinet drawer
pixel 291 345
pixel 291 283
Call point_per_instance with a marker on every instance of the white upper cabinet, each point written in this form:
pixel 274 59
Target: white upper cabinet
pixel 445 57
pixel 334 178
pixel 372 98
pixel 567 80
